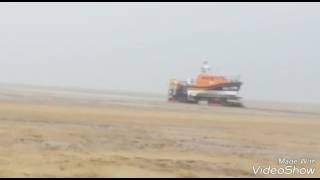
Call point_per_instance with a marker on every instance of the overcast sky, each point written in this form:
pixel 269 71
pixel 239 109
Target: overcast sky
pixel 275 47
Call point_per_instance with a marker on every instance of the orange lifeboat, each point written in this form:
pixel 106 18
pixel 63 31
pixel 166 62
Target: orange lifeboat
pixel 205 80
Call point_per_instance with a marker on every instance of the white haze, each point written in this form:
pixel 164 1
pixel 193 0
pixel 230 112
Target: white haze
pixel 140 46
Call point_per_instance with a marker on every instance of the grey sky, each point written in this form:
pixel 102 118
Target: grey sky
pixel 140 46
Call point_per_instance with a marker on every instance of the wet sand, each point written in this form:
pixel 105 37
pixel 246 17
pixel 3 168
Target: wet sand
pixel 55 133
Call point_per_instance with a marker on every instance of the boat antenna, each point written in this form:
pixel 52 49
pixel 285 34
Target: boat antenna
pixel 205 67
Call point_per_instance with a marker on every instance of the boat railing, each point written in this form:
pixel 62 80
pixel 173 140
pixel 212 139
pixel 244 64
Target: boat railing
pixel 234 78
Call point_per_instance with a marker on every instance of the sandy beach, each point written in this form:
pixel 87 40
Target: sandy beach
pixel 67 134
